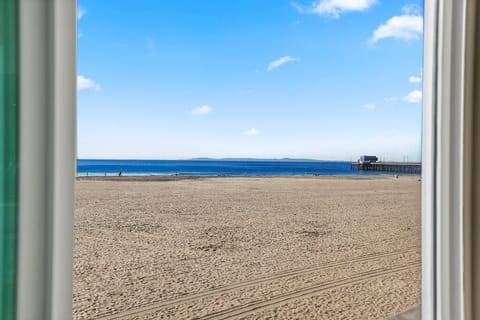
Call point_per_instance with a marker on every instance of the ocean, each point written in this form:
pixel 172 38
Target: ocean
pixel 217 167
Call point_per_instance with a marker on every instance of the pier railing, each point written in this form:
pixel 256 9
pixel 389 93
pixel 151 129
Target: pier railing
pixel 397 167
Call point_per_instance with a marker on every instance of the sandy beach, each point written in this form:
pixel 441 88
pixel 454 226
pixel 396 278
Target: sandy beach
pixel 246 247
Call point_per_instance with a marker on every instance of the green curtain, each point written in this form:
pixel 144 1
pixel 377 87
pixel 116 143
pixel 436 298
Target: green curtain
pixel 8 155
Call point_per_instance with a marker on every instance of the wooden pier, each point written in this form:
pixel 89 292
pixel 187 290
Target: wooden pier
pixel 398 167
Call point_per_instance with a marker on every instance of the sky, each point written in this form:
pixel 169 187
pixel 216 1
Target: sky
pixel 180 79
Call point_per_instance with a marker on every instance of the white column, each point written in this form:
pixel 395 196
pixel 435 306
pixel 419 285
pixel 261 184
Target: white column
pixel 47 148
pixel 443 290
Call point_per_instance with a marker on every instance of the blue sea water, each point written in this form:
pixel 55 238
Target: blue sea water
pixel 217 167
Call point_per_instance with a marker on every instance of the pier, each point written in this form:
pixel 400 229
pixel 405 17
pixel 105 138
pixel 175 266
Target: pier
pixel 398 167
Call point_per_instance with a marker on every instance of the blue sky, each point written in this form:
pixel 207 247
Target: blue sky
pixel 177 79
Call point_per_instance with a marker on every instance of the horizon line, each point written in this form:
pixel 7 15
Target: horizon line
pixel 209 158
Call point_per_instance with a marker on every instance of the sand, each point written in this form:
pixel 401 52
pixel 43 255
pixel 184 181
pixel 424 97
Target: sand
pixel 247 248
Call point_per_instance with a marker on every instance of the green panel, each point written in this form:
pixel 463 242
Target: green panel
pixel 8 155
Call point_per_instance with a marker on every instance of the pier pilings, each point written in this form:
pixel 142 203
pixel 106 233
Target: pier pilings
pixel 396 167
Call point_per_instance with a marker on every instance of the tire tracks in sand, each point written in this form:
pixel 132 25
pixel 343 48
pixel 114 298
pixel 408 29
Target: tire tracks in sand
pixel 276 300
pixel 254 307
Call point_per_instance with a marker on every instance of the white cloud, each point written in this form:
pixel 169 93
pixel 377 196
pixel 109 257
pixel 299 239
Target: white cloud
pixel 80 13
pixel 151 43
pixel 370 106
pixel 414 97
pixel 84 83
pixel 252 132
pixel 334 8
pixel 297 7
pixel 277 63
pixel 391 99
pixel 415 79
pixel 408 26
pixel 202 110
pixel 412 9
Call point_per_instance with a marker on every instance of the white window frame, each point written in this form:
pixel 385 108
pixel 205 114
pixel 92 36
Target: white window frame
pixel 47 155
pixel 47 158
pixel 449 28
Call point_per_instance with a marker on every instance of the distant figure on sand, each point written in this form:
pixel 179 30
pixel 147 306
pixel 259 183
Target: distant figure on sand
pixel 120 174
